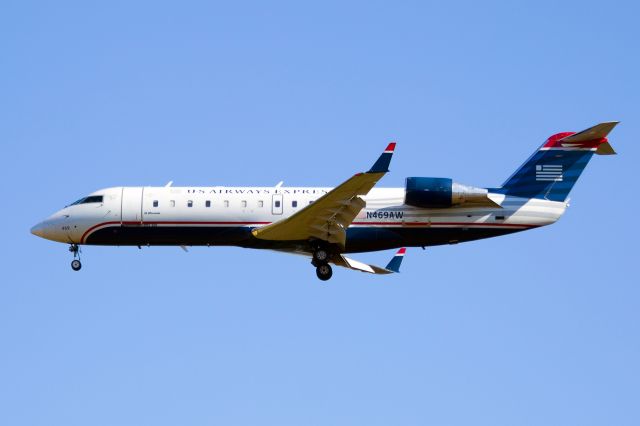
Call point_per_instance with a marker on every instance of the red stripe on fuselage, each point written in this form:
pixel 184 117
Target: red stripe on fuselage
pixel 142 224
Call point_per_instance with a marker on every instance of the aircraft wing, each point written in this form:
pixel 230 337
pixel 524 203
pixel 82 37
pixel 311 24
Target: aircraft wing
pixel 330 215
pixel 392 267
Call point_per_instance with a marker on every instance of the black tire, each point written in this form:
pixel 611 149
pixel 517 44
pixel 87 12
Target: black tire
pixel 320 256
pixel 324 272
pixel 76 265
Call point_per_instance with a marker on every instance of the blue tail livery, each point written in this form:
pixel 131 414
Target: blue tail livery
pixel 554 168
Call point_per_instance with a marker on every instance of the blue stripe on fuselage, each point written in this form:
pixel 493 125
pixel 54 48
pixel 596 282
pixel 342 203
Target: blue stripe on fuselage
pixel 359 239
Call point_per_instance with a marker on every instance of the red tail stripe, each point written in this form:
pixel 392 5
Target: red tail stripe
pixel 555 141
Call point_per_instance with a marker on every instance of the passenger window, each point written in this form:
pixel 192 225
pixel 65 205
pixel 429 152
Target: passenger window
pixel 172 203
pixel 260 203
pixel 294 204
pixel 277 203
pixel 207 203
pixel 190 203
pixel 244 203
pixel 155 203
pixel 226 203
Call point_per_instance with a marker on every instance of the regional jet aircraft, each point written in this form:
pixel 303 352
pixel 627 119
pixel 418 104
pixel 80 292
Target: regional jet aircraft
pixel 326 223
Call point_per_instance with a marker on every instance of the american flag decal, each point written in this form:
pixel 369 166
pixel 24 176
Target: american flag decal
pixel 549 172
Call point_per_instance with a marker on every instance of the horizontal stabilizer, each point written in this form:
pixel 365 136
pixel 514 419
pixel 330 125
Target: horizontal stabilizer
pixel 598 131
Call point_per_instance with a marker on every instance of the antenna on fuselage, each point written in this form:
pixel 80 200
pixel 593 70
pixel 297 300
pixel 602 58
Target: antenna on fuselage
pixel 279 184
pixel 169 184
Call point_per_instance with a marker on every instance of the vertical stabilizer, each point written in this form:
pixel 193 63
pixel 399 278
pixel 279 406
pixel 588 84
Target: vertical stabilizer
pixel 554 168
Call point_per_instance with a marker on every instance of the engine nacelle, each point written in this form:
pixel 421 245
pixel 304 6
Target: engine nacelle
pixel 429 192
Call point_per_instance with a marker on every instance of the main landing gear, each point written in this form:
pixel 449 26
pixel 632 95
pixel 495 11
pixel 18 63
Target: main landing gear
pixel 75 263
pixel 324 272
pixel 321 262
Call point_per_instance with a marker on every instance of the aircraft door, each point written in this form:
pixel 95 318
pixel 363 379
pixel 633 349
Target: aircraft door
pixel 276 204
pixel 132 204
pixel 112 204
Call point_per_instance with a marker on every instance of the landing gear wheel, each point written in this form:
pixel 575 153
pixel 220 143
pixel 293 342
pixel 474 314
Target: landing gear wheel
pixel 324 272
pixel 320 255
pixel 75 263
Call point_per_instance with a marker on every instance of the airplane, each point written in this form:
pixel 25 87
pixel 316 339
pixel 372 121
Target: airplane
pixel 325 224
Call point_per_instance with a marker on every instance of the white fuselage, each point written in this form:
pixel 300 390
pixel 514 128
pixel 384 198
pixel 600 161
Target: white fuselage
pixel 146 212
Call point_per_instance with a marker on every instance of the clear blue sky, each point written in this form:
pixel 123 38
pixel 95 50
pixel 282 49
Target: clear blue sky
pixel 536 328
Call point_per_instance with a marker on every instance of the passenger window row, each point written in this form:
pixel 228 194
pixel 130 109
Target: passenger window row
pixel 207 203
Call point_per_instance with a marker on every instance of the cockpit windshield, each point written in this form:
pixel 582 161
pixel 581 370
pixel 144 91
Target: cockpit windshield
pixel 89 199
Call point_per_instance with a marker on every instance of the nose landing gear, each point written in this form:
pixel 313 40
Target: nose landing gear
pixel 75 263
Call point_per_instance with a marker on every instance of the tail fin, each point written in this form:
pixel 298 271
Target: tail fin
pixel 554 168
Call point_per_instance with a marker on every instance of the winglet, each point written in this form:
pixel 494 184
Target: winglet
pixel 382 165
pixel 394 264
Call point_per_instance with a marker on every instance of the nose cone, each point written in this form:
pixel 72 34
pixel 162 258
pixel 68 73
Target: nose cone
pixel 54 228
pixel 38 230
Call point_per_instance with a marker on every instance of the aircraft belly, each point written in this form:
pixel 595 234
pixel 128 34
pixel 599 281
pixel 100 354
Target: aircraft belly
pixel 363 239
pixel 359 239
